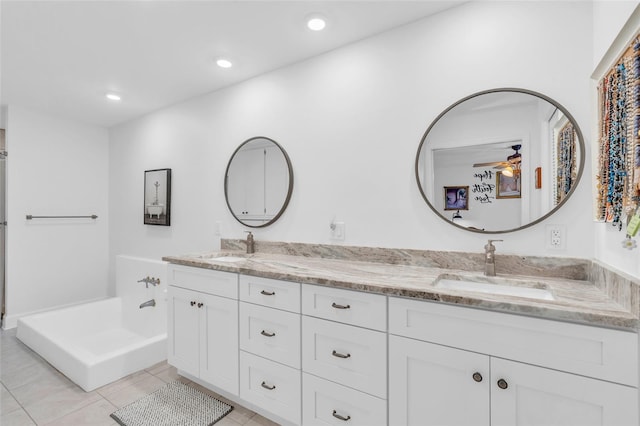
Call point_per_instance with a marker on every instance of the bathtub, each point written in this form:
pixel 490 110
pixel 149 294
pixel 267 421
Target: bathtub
pixel 155 209
pixel 96 343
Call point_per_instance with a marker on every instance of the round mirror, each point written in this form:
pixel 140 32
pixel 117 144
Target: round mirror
pixel 500 160
pixel 258 182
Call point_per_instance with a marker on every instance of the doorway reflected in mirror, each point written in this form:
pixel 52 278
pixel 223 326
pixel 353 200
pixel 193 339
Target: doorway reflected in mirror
pixel 501 144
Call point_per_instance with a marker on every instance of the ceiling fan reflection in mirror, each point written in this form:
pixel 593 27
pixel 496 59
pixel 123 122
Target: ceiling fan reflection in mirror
pixel 510 167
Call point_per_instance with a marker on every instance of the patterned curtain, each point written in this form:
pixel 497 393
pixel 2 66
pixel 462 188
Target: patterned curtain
pixel 618 176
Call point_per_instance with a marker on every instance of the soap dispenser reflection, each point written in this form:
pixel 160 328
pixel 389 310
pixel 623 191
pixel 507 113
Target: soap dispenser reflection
pixel 251 244
pixel 490 259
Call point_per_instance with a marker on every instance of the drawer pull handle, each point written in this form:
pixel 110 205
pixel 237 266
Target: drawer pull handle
pixel 335 305
pixel 502 384
pixel 477 377
pixel 192 303
pixel 266 333
pixel 268 293
pixel 338 416
pixel 200 305
pixel 266 386
pixel 339 355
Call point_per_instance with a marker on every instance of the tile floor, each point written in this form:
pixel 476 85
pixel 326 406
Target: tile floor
pixel 35 393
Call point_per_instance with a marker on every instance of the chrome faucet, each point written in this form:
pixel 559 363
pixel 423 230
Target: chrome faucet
pixel 149 280
pixel 251 244
pixel 490 259
pixel 148 303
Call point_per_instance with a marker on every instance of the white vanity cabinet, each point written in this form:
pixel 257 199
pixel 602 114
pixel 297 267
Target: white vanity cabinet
pixel 452 365
pixel 202 327
pixel 269 320
pixel 316 355
pixel 344 364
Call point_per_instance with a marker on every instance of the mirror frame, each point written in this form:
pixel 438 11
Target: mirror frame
pixel 289 190
pixel 516 90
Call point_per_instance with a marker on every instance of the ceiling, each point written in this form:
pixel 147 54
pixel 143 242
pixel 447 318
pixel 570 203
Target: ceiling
pixel 62 57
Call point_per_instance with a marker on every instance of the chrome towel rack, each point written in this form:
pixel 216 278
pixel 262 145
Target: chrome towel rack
pixel 30 216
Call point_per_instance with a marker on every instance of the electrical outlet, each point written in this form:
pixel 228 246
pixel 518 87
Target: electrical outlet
pixel 556 237
pixel 337 231
pixel 217 228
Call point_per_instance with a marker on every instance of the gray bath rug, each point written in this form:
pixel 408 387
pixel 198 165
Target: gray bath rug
pixel 174 404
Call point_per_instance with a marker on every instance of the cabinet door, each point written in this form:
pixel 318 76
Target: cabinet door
pixel 182 330
pixel 245 182
pixel 434 385
pixel 536 396
pixel 276 180
pixel 219 342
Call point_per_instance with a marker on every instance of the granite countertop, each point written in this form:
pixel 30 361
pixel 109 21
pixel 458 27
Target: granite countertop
pixel 574 300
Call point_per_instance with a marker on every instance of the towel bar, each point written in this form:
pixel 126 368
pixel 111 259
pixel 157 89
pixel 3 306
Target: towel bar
pixel 93 216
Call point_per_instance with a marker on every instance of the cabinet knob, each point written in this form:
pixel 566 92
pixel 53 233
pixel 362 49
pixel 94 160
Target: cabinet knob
pixel 477 377
pixel 266 386
pixel 339 355
pixel 268 293
pixel 502 384
pixel 335 305
pixel 266 333
pixel 192 303
pixel 338 416
pixel 200 305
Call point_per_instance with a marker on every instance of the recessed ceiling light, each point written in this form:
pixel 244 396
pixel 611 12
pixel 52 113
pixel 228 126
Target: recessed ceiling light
pixel 113 97
pixel 316 23
pixel 224 63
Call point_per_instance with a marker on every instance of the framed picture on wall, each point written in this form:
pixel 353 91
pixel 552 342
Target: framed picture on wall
pixel 507 186
pixel 157 197
pixel 456 198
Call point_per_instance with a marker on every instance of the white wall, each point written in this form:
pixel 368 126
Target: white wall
pixel 56 167
pixel 3 117
pixel 351 121
pixel 609 20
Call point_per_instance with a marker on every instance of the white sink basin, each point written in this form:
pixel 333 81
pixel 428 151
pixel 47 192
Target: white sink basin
pixel 492 288
pixel 228 259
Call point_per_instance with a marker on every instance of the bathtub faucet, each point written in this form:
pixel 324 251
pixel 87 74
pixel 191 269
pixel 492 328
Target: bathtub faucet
pixel 148 303
pixel 150 280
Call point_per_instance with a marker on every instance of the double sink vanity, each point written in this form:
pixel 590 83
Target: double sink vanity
pixel 330 335
pixel 317 334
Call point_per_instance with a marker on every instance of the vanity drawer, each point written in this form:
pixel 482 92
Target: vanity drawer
pixel 347 306
pixel 268 292
pixel 218 283
pixel 348 355
pixel 324 402
pixel 581 349
pixel 270 333
pixel 272 386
